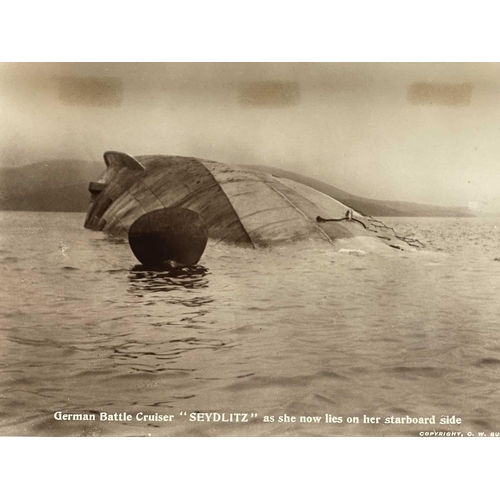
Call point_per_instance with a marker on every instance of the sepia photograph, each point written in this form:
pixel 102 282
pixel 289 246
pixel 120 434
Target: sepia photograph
pixel 249 249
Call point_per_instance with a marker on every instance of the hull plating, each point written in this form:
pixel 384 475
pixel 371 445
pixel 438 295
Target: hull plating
pixel 239 206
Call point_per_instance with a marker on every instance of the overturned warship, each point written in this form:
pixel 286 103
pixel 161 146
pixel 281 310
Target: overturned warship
pixel 237 205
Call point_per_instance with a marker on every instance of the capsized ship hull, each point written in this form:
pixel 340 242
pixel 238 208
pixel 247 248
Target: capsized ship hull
pixel 239 206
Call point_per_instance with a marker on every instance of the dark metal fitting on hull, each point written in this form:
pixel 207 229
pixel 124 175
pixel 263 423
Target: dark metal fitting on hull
pixel 170 237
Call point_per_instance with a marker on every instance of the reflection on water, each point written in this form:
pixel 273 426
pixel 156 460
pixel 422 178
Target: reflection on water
pixel 150 280
pixel 173 287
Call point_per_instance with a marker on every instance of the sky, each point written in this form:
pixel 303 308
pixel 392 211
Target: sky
pixel 421 132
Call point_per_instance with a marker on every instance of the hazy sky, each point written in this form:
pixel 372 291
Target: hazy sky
pixel 424 132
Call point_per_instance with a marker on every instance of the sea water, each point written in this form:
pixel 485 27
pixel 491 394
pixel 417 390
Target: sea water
pixel 294 341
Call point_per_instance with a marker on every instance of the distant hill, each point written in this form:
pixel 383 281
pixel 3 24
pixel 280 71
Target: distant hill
pixel 50 186
pixel 368 206
pixel 62 186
